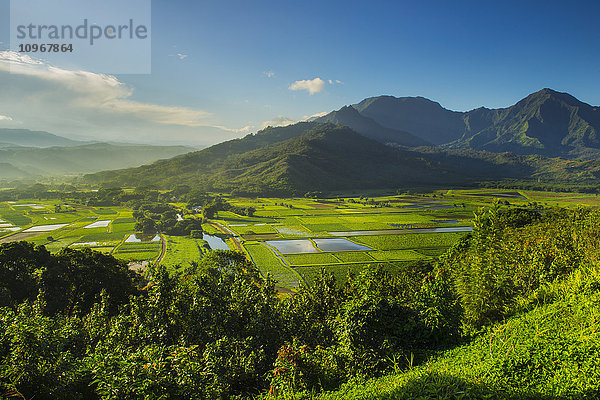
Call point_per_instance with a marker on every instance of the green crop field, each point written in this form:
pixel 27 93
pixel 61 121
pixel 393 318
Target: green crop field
pixel 252 229
pixel 181 251
pixel 269 263
pixel 15 217
pixel 135 256
pixel 298 218
pixel 354 256
pixel 283 219
pixel 311 259
pixel 409 241
pixel 122 227
pixel 402 255
pixel 124 220
pixel 74 234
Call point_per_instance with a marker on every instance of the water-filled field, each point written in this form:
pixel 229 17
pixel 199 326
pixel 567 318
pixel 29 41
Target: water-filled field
pixel 339 245
pixel 98 224
pixel 293 246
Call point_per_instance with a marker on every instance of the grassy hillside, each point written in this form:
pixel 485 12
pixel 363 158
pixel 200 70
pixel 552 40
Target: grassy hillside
pixel 549 352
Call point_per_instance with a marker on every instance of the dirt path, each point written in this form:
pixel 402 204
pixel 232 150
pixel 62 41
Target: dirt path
pixel 15 237
pixel 163 249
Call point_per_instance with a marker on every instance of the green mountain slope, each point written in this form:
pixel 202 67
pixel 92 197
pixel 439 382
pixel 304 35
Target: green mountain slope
pixel 327 157
pixel 547 122
pixel 366 126
pixel 8 171
pixel 312 156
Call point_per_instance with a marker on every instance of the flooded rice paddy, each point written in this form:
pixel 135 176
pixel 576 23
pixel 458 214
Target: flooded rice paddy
pixel 138 238
pixel 303 246
pixel 215 242
pixel 45 228
pixel 293 246
pixel 98 224
pixel 339 245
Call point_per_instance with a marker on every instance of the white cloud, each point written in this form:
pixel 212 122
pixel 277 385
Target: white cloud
pixel 269 74
pixel 245 129
pixel 85 105
pixel 311 117
pixel 100 92
pixel 181 56
pixel 311 86
pixel 5 118
pixel 280 120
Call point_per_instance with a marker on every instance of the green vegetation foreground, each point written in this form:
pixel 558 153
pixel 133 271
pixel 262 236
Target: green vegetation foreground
pixel 509 312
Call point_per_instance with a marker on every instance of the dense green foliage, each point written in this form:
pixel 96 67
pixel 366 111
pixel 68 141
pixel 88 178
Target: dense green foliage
pixel 70 280
pixel 518 296
pixel 165 218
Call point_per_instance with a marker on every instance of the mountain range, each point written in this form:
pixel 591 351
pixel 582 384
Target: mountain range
pixel 314 156
pixel 546 122
pixel 31 154
pixel 381 142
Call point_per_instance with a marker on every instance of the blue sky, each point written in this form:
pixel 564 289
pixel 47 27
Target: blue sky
pixel 232 63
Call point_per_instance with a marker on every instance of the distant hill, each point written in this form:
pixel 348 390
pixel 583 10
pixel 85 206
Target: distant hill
pixel 27 138
pixel 294 159
pixel 366 126
pixel 8 171
pixel 312 156
pixel 22 162
pixel 547 122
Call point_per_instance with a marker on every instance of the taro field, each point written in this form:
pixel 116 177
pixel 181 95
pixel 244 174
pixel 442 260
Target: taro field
pixel 290 239
pixel 110 230
pixel 293 239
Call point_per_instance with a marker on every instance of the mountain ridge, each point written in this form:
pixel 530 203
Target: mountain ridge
pixel 349 116
pixel 546 122
pixel 314 156
pixel 28 162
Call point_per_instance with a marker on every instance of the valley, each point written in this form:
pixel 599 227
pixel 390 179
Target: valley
pixel 291 239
